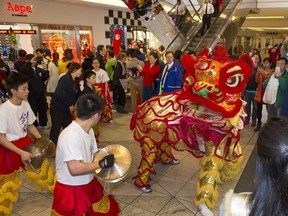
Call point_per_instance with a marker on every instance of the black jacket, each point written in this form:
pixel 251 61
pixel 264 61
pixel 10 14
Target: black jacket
pixel 65 94
pixel 118 72
pixel 5 66
pixel 36 77
pixel 101 60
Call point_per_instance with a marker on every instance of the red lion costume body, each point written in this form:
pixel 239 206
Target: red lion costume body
pixel 205 119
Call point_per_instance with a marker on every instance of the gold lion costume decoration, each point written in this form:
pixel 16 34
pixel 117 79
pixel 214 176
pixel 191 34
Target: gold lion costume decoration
pixel 204 118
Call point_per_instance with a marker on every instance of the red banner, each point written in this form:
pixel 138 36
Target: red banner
pixel 117 40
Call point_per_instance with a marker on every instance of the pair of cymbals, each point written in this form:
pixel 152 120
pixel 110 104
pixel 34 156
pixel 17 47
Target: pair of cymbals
pixel 121 166
pixel 41 149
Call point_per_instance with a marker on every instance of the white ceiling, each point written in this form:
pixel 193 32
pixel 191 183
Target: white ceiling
pixel 265 8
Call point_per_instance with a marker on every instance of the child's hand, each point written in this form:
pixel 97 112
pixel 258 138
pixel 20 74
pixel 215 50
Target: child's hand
pixel 26 156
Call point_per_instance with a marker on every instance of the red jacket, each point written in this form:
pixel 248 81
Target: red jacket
pixel 149 74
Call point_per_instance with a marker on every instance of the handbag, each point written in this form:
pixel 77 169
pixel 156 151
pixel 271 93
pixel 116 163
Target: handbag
pixel 124 83
pixel 154 85
pixel 270 93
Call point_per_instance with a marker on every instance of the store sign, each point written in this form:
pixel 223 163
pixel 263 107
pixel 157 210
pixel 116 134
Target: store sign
pixel 9 31
pixel 19 9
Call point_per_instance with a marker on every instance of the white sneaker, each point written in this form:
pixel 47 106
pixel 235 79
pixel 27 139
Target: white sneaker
pixel 175 161
pixel 46 127
pixel 204 210
pixel 146 189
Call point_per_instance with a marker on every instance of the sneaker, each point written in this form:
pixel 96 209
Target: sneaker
pixel 253 123
pixel 146 189
pixel 46 127
pixel 175 161
pixel 204 210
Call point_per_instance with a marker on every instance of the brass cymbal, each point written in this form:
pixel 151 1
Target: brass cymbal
pixel 41 149
pixel 121 166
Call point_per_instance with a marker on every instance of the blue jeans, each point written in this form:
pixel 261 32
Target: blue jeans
pixel 147 93
pixel 249 98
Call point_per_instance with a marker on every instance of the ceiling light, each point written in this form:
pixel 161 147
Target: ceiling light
pixel 265 17
pixel 117 3
pixel 264 28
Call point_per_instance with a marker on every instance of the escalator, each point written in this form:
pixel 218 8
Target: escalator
pixel 157 20
pixel 225 26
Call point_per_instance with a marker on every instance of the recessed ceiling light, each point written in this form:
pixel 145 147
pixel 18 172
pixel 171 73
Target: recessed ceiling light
pixel 265 17
pixel 117 3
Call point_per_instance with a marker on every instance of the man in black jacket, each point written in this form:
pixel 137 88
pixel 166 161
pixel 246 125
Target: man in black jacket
pixel 37 98
pixel 101 52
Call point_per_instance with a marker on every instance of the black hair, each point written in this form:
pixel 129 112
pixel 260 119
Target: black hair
pixel 22 53
pixel 169 52
pixel 87 74
pixel 110 53
pixel 260 58
pixel 55 57
pixel 88 105
pixel 28 57
pixel 192 52
pixel 39 50
pixel 267 59
pixel 270 196
pixel 73 67
pixel 283 58
pixel 123 47
pixel 155 55
pixel 90 54
pixel 14 81
pixel 178 55
pixel 99 48
pixel 68 55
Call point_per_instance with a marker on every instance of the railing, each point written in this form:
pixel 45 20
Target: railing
pixel 230 12
pixel 187 24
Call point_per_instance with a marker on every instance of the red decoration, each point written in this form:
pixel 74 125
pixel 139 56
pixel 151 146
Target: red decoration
pixel 117 40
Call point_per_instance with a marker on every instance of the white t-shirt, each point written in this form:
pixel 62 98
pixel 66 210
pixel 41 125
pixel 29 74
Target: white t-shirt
pixel 15 119
pixel 74 144
pixel 101 76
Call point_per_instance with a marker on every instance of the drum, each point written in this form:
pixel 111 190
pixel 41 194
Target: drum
pixel 41 149
pixel 121 166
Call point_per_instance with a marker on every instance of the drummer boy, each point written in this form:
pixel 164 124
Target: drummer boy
pixel 77 191
pixel 17 119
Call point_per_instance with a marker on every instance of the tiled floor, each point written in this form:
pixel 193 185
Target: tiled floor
pixel 173 186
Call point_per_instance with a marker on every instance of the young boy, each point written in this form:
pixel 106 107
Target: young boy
pixel 17 119
pixel 77 191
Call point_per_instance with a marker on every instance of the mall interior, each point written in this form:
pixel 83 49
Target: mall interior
pixel 241 25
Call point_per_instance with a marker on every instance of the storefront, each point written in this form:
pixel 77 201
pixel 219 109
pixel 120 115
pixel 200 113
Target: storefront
pixel 56 37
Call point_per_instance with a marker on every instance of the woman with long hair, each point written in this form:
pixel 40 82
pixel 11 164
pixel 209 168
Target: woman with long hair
pixel 120 74
pixel 270 196
pixel 263 71
pixel 150 73
pixel 53 67
pixel 63 100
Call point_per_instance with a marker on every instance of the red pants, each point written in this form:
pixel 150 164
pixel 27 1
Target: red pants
pixel 11 161
pixel 83 200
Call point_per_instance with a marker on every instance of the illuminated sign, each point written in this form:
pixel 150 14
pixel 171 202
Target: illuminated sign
pixel 9 31
pixel 19 9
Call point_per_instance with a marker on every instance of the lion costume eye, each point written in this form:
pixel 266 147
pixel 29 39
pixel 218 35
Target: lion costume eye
pixel 234 80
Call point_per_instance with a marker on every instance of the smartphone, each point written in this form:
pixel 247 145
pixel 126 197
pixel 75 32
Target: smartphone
pixel 277 69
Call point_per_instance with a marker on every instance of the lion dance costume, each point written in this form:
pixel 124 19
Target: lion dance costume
pixel 205 119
